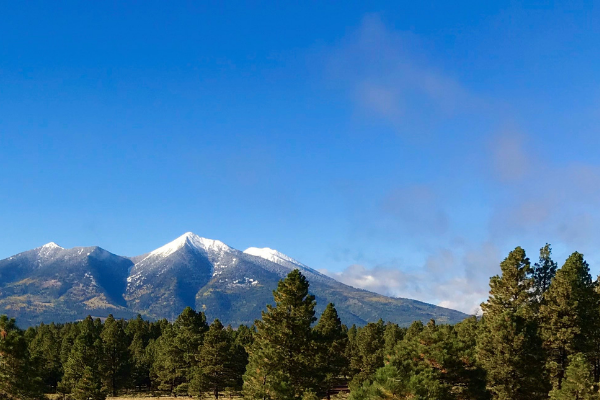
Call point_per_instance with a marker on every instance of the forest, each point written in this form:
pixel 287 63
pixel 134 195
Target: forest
pixel 538 337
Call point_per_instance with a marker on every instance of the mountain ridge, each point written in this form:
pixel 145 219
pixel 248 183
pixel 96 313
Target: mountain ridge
pixel 51 283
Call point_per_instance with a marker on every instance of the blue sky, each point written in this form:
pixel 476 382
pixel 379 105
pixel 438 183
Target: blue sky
pixel 398 146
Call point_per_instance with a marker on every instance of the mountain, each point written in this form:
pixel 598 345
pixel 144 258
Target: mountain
pixel 50 283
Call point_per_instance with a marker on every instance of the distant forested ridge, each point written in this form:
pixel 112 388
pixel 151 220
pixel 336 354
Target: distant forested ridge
pixel 538 338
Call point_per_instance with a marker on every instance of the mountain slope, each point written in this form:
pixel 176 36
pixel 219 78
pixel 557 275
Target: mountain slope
pixel 55 284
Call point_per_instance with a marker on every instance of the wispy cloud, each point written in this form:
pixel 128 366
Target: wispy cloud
pixel 530 197
pixel 450 278
pixel 388 80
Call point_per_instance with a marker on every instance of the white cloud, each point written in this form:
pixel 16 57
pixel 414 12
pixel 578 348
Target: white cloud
pixel 454 279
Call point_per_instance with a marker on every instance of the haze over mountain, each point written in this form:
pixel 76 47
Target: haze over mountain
pixel 51 283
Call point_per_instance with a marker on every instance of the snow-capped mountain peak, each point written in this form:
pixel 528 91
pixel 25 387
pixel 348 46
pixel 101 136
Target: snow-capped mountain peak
pixel 192 240
pixel 51 245
pixel 272 255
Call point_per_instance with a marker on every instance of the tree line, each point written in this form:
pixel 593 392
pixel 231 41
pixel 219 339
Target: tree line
pixel 538 338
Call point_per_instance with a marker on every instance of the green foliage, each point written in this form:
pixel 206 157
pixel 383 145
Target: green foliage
pixel 45 350
pixel 116 364
pixel 215 369
pixel 391 336
pixel 390 384
pixel 578 383
pixel 508 346
pixel 368 353
pixel 543 272
pixel 569 317
pixel 281 360
pixel 88 386
pixel 331 341
pixel 176 350
pixel 86 356
pixel 138 332
pixel 18 378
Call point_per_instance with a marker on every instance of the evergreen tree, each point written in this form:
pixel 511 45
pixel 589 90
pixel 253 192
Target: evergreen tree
pixel 68 333
pixel 508 345
pixel 18 379
pixel 389 383
pixel 168 367
pixel 543 272
pixel 578 383
pixel 88 386
pixel 176 350
pixel 391 336
pixel 45 350
pixel 281 360
pixel 469 378
pixel 138 332
pixel 115 366
pixel 351 353
pixel 85 355
pixel 332 340
pixel 569 316
pixel 369 352
pixel 215 370
pixel 242 340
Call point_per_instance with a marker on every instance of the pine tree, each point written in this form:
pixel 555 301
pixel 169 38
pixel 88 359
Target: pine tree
pixel 242 340
pixel 578 383
pixel 508 345
pixel 86 353
pixel 351 353
pixel 391 336
pixel 281 360
pixel 369 352
pixel 215 370
pixel 115 366
pixel 388 383
pixel 168 367
pixel 176 351
pixel 332 340
pixel 138 332
pixel 88 386
pixel 569 316
pixel 45 349
pixel 18 379
pixel 543 272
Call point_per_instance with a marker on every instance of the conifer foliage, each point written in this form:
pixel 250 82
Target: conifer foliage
pixel 569 316
pixel 281 363
pixel 508 345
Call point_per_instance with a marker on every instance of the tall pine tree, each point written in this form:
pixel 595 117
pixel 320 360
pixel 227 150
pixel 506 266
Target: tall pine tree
pixel 569 316
pixel 543 272
pixel 85 357
pixel 281 360
pixel 508 345
pixel 332 339
pixel 215 369
pixel 18 379
pixel 116 365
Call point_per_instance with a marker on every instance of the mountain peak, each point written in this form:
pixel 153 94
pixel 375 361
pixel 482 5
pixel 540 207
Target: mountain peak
pixel 192 240
pixel 51 245
pixel 271 255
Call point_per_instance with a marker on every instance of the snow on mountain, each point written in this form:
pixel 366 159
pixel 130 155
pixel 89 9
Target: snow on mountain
pixel 273 256
pixel 50 283
pixel 192 240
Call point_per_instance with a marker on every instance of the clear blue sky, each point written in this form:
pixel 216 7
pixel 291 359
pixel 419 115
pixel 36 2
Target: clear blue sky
pixel 400 146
